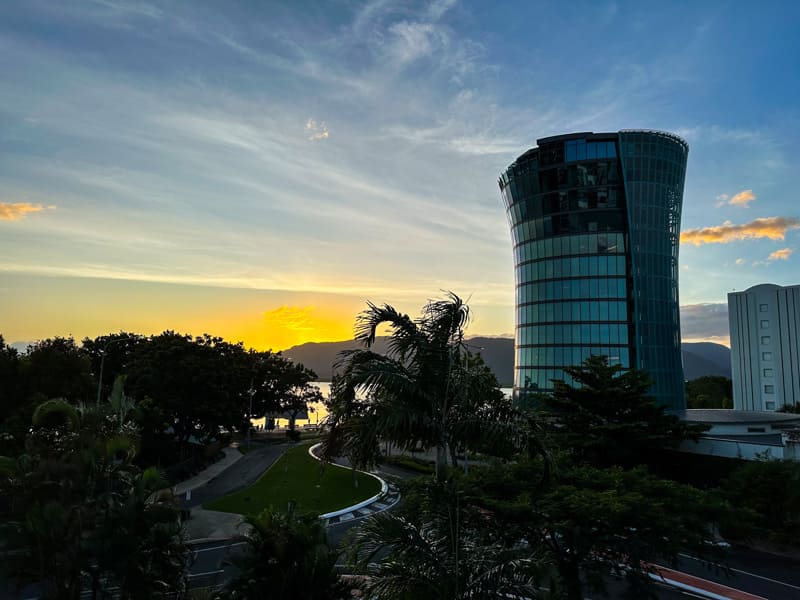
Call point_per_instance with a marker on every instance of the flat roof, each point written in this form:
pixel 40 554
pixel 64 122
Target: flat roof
pixel 724 415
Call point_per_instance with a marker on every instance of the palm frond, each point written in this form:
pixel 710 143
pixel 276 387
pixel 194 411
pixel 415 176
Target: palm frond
pixel 405 333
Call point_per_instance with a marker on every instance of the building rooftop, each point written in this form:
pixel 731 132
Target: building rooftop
pixel 765 439
pixel 723 415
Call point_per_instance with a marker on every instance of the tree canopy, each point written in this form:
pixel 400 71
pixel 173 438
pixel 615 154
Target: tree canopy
pixel 426 392
pixel 607 418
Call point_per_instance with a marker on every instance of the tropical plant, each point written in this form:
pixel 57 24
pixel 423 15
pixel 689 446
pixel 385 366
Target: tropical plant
pixel 441 551
pixel 287 556
pixel 82 514
pixel 421 394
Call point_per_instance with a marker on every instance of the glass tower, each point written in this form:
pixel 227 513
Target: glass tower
pixel 595 223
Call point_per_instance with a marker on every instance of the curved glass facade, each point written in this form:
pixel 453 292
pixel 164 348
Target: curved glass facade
pixel 595 221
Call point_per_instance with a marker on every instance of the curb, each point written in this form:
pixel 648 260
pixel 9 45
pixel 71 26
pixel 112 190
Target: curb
pixel 363 503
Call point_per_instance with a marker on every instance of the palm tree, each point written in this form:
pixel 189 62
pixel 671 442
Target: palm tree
pixel 440 553
pixel 421 392
pixel 287 557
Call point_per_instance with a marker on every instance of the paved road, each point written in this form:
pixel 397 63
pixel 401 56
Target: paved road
pixel 244 472
pixel 758 573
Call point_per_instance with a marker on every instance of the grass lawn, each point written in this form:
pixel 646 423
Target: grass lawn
pixel 297 477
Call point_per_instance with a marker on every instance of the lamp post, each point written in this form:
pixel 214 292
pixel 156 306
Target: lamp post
pixel 251 392
pixel 103 361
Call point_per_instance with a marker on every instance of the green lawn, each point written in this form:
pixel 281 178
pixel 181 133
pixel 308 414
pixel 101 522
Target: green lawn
pixel 297 477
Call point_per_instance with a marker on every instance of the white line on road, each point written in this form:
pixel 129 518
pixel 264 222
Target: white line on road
pixel 218 547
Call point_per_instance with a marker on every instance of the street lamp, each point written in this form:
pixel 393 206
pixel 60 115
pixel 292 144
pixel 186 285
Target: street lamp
pixel 103 361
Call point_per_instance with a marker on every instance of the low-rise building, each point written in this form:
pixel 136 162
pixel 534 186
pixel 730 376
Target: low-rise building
pixel 744 434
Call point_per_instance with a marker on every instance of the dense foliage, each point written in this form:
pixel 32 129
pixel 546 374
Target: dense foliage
pixel 607 418
pixel 563 504
pixel 186 390
pixel 287 557
pixel 710 391
pixel 81 515
pixel 769 490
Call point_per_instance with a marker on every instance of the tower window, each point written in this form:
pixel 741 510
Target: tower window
pixel 763 307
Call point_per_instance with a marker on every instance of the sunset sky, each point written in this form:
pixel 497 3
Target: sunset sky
pixel 258 170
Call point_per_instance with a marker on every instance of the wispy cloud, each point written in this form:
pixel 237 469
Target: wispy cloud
pixel 15 211
pixel 707 321
pixel 743 198
pixel 782 254
pixel 740 261
pixel 316 131
pixel 773 228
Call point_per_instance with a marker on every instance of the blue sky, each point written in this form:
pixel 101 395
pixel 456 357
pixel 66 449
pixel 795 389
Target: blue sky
pixel 260 169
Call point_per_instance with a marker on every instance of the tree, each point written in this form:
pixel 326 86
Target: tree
pixel 58 368
pixel 607 418
pixel 439 550
pixel 82 513
pixel 596 522
pixel 281 386
pixel 770 489
pixel 417 392
pixel 197 386
pixel 710 391
pixel 287 556
pixel 15 412
pixel 117 348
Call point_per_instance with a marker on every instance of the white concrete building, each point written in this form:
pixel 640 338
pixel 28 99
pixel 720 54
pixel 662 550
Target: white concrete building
pixel 747 435
pixel 765 347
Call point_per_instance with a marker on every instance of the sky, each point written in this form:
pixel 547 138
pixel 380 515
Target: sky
pixel 259 170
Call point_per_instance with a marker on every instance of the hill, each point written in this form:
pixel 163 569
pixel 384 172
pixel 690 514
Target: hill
pixel 320 356
pixel 700 358
pixel 705 358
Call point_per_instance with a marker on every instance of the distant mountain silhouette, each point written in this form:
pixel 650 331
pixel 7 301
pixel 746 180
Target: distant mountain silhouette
pixel 705 358
pixel 498 353
pixel 699 358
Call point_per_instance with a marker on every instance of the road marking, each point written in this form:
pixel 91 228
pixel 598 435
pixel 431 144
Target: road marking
pixel 190 575
pixel 789 585
pixel 219 547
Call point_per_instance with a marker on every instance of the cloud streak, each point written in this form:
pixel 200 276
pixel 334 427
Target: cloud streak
pixel 291 317
pixel 773 228
pixel 707 321
pixel 743 198
pixel 782 254
pixel 16 211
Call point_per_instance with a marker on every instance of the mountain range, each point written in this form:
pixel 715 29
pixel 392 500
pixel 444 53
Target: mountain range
pixel 699 358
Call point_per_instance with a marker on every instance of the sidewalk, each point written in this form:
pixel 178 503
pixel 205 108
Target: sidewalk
pixel 232 455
